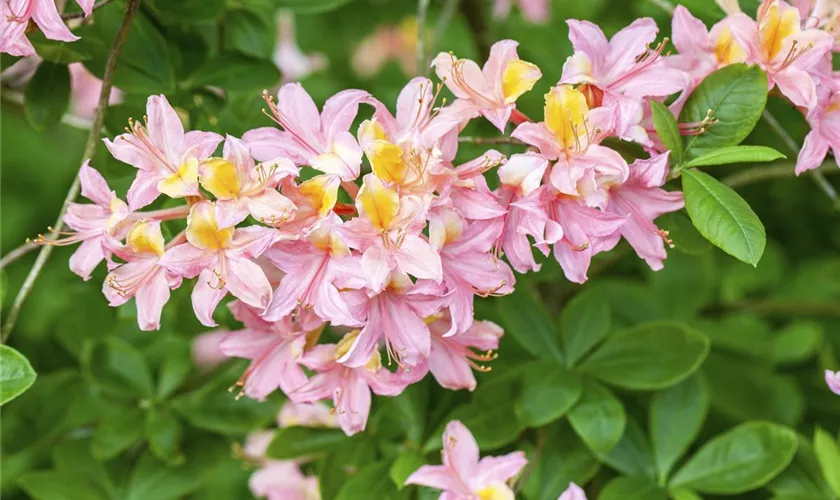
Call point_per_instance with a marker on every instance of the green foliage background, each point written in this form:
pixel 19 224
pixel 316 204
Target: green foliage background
pixel 701 380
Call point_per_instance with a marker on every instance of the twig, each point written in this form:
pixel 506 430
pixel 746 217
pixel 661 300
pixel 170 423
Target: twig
pixel 771 172
pixel 474 13
pixel 80 15
pixel 816 175
pixel 422 9
pixel 490 140
pixel 90 148
pixel 664 5
pixel 17 253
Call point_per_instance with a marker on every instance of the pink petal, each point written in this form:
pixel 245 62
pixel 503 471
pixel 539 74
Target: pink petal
pixel 414 102
pixel 85 259
pixel 268 143
pixel 165 129
pixel 501 53
pixel 449 366
pixel 537 135
pixel 352 402
pixel 340 110
pixel 573 492
pixel 500 469
pixel 46 16
pixel 689 34
pixel 201 144
pixel 627 44
pixel 86 5
pixel 300 113
pixel 206 296
pixel 435 476
pixel 813 152
pixel 588 38
pixel 143 190
pixel 247 282
pixel 269 206
pixel 94 186
pixel 798 86
pixel 186 260
pixel 460 451
pixel 417 258
pixel 151 297
pixel 253 241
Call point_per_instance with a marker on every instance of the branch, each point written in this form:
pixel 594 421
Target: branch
pixel 771 172
pixel 490 140
pixel 422 9
pixel 80 15
pixel 90 148
pixel 17 253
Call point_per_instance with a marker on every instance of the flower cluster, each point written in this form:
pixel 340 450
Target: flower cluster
pixel 390 253
pixel 14 20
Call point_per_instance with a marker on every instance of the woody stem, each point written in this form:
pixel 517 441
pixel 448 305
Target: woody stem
pixel 490 140
pixel 422 8
pixel 79 15
pixel 93 139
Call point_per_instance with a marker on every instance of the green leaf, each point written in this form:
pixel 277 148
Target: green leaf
pixel 828 454
pixel 52 485
pixel 649 356
pixel 632 455
pixel 743 459
pixel 163 430
pixel 803 476
pixel 676 417
pixel 723 217
pixel 528 321
pixel 632 488
pixel 584 322
pixel 57 51
pixel 250 33
pixel 371 482
pixel 120 428
pixel 16 374
pixel 153 479
pixel 598 418
pixel 406 463
pixel 294 442
pixel 735 154
pixel 188 11
pixel 176 366
pixel 548 392
pixel 117 367
pixel 736 96
pixel 797 342
pixel 74 458
pixel 311 6
pixel 564 459
pixel 682 233
pixel 226 71
pixel 47 95
pixel 344 462
pixel 684 494
pixel 668 130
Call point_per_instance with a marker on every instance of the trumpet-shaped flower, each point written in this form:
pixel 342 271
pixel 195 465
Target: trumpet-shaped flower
pixel 452 359
pixel 222 258
pixel 241 187
pixel 167 158
pixel 350 387
pixel 318 139
pixel 641 200
pixel 141 277
pixel 492 90
pixel 283 480
pixel 462 476
pixel 824 119
pixel 785 51
pixel 16 14
pixel 467 189
pixel 306 415
pixel 93 223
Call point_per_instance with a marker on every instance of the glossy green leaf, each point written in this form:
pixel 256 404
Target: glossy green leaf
pixel 632 488
pixel 174 369
pixel 649 356
pixel 668 130
pixel 797 342
pixel 188 11
pixel 118 367
pixel 598 418
pixel 47 95
pixel 344 462
pixel 564 459
pixel 676 417
pixel 492 424
pixel 584 322
pixel 121 428
pixel 548 392
pixel 371 482
pixel 53 485
pixel 57 51
pixel 163 430
pixel 742 459
pixel 682 233
pixel 16 374
pixel 632 455
pixel 406 463
pixel 152 478
pixel 294 442
pixel 734 96
pixel 828 455
pixel 527 320
pixel 803 477
pixel 723 217
pixel 250 33
pixel 735 154
pixel 226 71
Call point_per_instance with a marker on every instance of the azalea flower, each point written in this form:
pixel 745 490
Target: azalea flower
pixel 283 480
pixel 493 89
pixel 241 187
pixel 141 277
pixel 306 415
pixel 452 359
pixel 824 119
pixel 832 379
pixel 462 476
pixel 222 258
pixel 641 200
pixel 573 492
pixel 785 51
pixel 167 158
pixel 320 140
pixel 702 51
pixel 467 189
pixel 535 11
pixel 16 14
pixel 91 223
pixel 349 387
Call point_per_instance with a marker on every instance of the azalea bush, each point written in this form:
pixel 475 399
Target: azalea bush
pixel 453 249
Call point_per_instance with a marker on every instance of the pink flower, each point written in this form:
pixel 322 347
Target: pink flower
pixel 283 480
pixel 494 89
pixel 535 11
pixel 243 188
pixel 779 45
pixel 388 43
pixel 452 358
pixel 92 223
pixel 573 492
pixel 349 387
pixel 293 64
pixel 273 348
pixel 320 140
pixel 166 157
pixel 85 89
pixel 141 277
pixel 832 379
pixel 824 119
pixel 206 353
pixel 307 415
pixel 16 14
pixel 311 265
pixel 462 476
pixel 641 201
pixel 622 71
pixel 467 190
pixel 700 51
pixel 223 261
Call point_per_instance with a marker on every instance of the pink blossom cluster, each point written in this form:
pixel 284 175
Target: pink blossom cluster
pixel 14 20
pixel 391 252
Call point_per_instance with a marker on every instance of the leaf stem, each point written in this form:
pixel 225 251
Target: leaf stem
pixel 80 15
pixel 422 9
pixel 17 253
pixel 771 172
pixel 90 148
